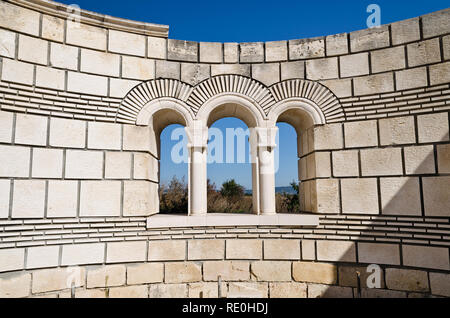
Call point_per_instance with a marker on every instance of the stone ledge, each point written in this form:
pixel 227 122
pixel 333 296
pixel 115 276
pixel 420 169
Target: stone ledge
pixel 219 219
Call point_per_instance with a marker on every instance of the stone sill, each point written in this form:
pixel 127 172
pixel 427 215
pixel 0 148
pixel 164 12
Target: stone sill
pixel 158 221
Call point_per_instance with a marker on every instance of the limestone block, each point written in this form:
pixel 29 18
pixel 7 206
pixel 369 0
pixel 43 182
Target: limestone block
pixel 244 249
pixel 167 69
pixel 328 137
pixel 425 52
pixel 276 51
pixel 82 164
pixel 120 87
pixel 426 256
pixel 145 167
pixel 337 44
pixel 126 43
pixel 292 70
pixel 47 280
pixel 341 251
pixel 405 31
pixel 31 130
pixel 42 256
pixel 287 290
pixel 185 272
pixel 325 291
pixel 369 39
pixel 388 59
pixel 354 64
pixel 17 72
pixel 15 161
pixel 106 276
pixel 87 84
pixel 339 87
pixel 194 73
pixel 406 279
pixel 280 249
pixel 374 84
pixel 348 276
pixel 436 23
pixel 443 158
pixel 210 52
pixel 140 198
pixel 308 250
pixel 320 69
pixel 84 35
pixel 64 56
pixel 412 78
pixel 129 292
pixel 167 250
pixel 231 52
pixel 373 162
pixel 52 28
pixel 433 127
pixel 138 68
pixel 446 47
pixel 118 165
pixel 440 73
pixel 123 252
pixel 62 199
pixel 271 271
pixel 267 74
pixel 47 163
pixel 6 126
pixel 314 272
pixel 15 285
pixel 180 50
pixel 100 198
pixel 67 133
pixel 203 290
pixel 28 199
pixel 5 189
pixel 19 18
pixel 247 290
pixel 157 47
pixel 237 69
pixel 100 63
pixel 252 52
pixel 326 198
pixel 352 189
pixel 306 48
pixel 168 291
pixel 440 284
pixel 435 196
pixel 50 78
pixel 206 249
pixel 397 131
pixel 7 43
pixel 345 163
pixel 90 293
pixel 104 136
pixel 379 253
pixel 80 254
pixel 227 270
pixel 400 196
pixel 145 273
pixel 12 259
pixel 419 160
pixel 361 134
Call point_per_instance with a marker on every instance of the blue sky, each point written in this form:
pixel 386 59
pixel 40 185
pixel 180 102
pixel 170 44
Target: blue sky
pixel 246 21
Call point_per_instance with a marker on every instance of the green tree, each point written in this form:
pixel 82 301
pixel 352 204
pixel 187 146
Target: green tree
pixel 232 191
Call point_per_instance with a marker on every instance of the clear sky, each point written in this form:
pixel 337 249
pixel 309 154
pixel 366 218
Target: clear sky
pixel 247 21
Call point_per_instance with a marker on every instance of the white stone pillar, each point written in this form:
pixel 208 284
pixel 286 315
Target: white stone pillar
pixel 266 159
pixel 198 140
pixel 255 169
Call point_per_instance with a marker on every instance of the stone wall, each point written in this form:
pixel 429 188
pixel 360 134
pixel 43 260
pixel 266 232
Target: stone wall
pixel 79 172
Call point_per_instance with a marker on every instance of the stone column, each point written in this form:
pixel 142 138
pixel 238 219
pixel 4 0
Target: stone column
pixel 266 159
pixel 255 169
pixel 197 143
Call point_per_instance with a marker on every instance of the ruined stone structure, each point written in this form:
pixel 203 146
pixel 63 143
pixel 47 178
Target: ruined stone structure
pixel 82 104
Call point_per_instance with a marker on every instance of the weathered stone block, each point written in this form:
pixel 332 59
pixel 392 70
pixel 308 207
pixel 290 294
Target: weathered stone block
pixel 31 130
pixel 443 158
pixel 17 72
pixel 348 276
pixel 19 18
pixel 157 47
pixel 211 52
pixel 106 276
pixel 166 250
pixel 47 280
pixel 446 47
pixel 87 84
pixel 412 78
pixel 326 196
pixel 64 56
pixel 206 249
pixel 244 249
pixel 379 253
pixel 80 254
pixel 12 259
pixel 52 28
pixel 435 196
pixel 308 250
pixel 145 273
pixel 439 73
pixel 6 126
pixel 194 73
pixel 306 48
pixel 247 290
pixel 33 50
pixel 231 52
pixel 419 160
pixel 122 252
pixel 426 256
pixel 320 69
pixel 237 69
pixel 100 198
pixel 433 127
pixel 341 251
pixel 405 31
pixel 5 189
pixel 140 198
pixel 28 199
pixel 50 78
pixel 381 293
pixel 90 293
pixel 252 52
pixel 42 256
pixel 145 167
pixel 353 189
pixel 396 131
pixel 406 279
pixel 292 70
pixel 104 136
pixel 267 74
pixel 118 165
pixel 373 162
pixel 136 138
pixel 280 249
pixel 168 291
pixel 129 292
pixel 287 290
pixel 345 163
pixel 327 137
pixel 15 286
pixel 85 35
pixel 203 290
pixel 388 59
pixel 138 68
pixel 440 284
pixel 7 44
pixel 185 272
pixel 337 44
pixel 276 51
pixel 67 133
pixel 436 23
pixel 425 52
pixel 400 196
pixel 82 164
pixel 100 63
pixel 47 163
pixel 62 199
pixel 354 64
pixel 361 134
pixel 374 84
pixel 340 87
pixel 271 271
pixel 369 39
pixel 15 161
pixel 325 291
pixel 180 50
pixel 314 272
pixel 227 270
pixel 119 88
pixel 126 43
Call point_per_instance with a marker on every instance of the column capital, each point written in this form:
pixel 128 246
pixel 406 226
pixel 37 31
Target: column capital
pixel 267 136
pixel 197 135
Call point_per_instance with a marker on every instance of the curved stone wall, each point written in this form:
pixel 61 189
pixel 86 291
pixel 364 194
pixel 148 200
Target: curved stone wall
pixel 79 159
